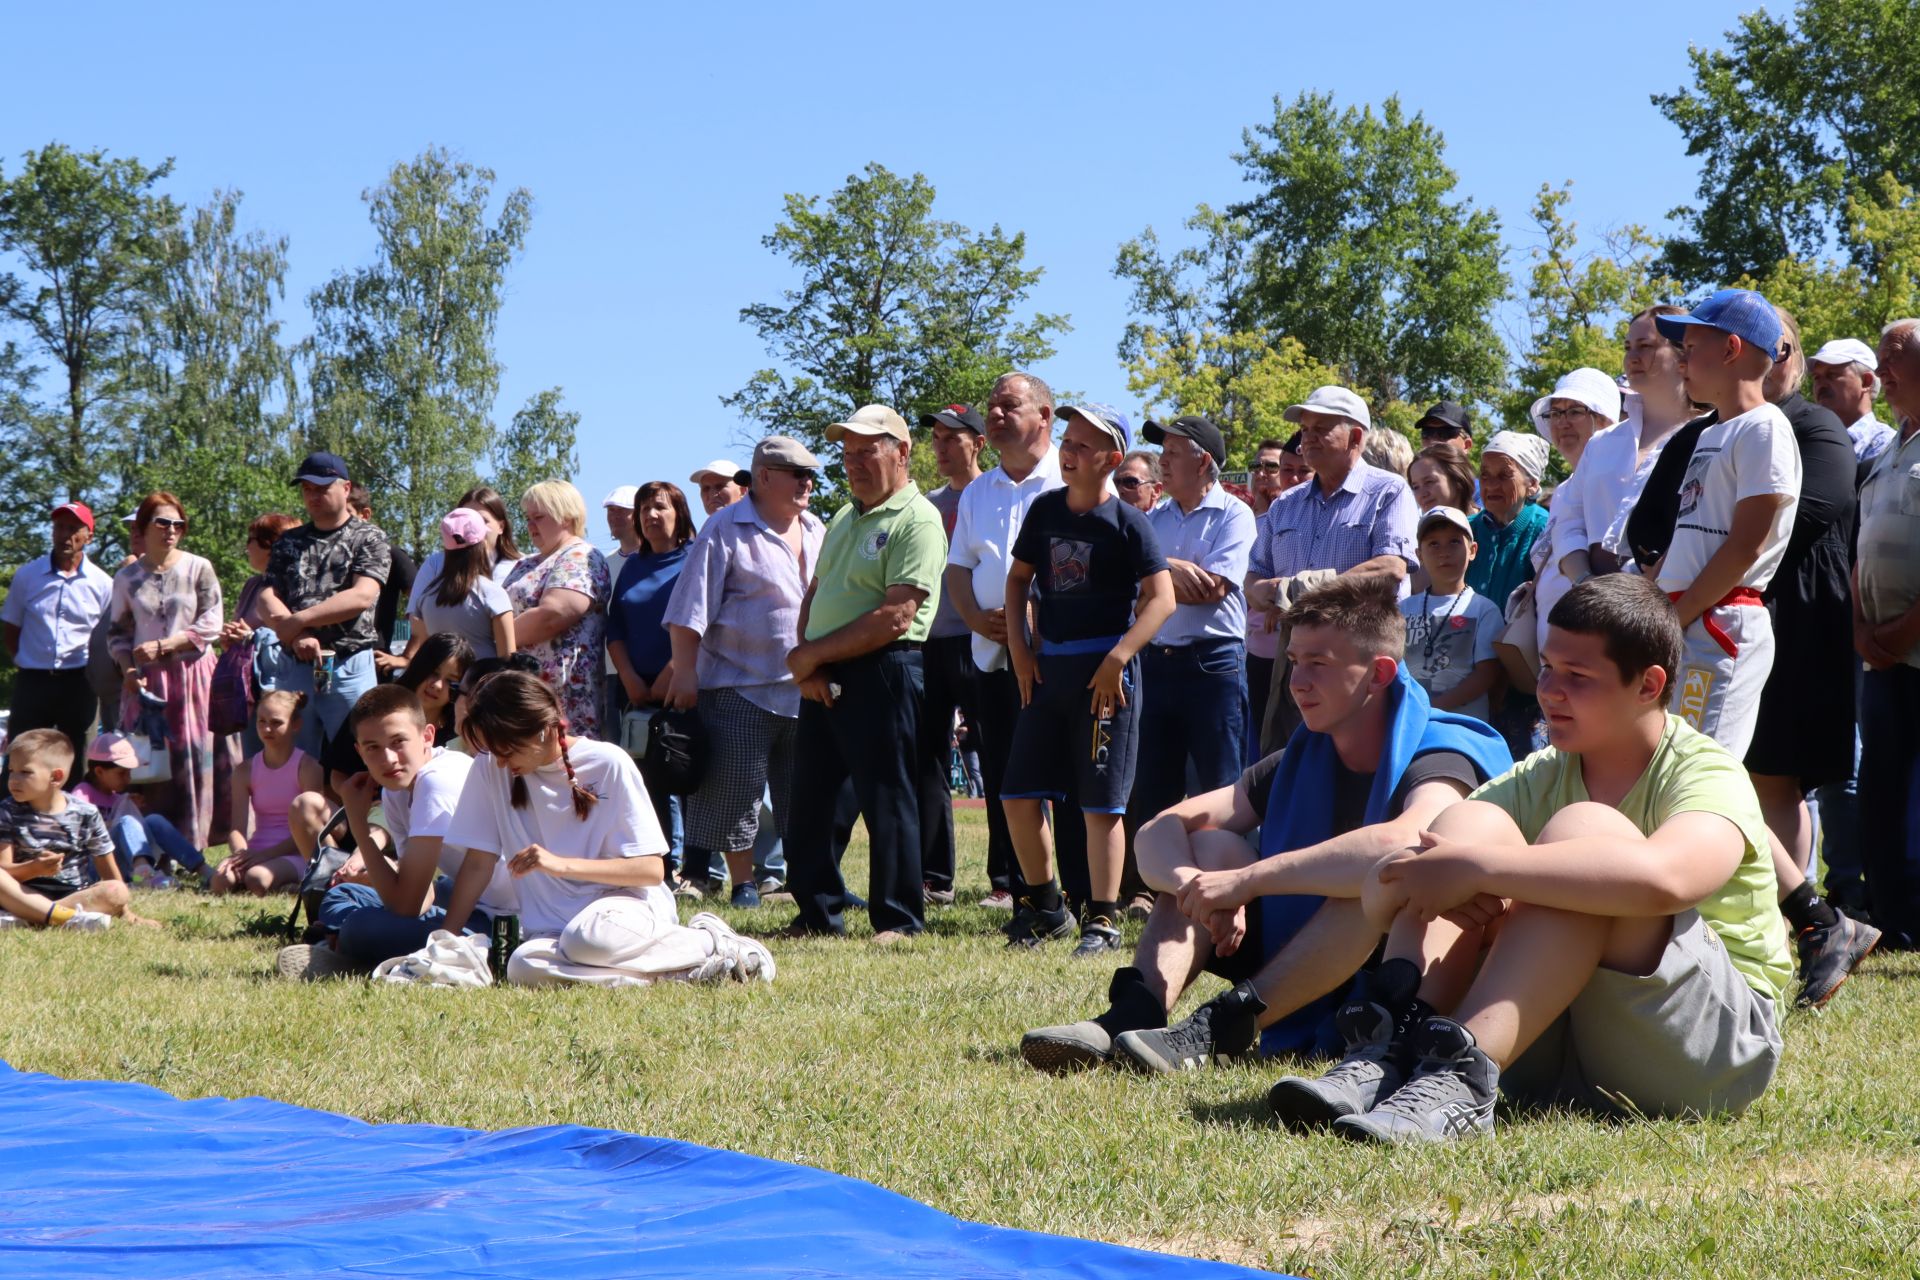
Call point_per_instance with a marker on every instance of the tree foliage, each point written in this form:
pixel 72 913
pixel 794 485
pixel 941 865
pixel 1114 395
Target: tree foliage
pixel 403 370
pixel 539 444
pixel 1793 122
pixel 213 390
pixel 891 306
pixel 89 231
pixel 1364 254
pixel 1578 300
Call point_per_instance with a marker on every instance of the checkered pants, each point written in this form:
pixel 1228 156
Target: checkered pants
pixel 749 750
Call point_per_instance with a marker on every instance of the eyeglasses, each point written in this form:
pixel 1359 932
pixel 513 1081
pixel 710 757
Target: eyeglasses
pixel 1269 467
pixel 1557 415
pixel 164 522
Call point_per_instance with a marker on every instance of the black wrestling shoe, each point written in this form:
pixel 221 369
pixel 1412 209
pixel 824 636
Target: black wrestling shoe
pixel 1828 957
pixel 1219 1031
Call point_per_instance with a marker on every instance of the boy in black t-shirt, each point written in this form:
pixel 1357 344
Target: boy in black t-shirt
pixel 1102 590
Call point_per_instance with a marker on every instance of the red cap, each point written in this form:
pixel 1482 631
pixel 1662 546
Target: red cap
pixel 78 510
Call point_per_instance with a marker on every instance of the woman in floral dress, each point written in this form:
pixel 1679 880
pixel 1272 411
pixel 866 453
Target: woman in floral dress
pixel 559 597
pixel 165 616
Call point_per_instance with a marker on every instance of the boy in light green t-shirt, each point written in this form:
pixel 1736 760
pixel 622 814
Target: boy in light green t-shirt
pixel 1605 913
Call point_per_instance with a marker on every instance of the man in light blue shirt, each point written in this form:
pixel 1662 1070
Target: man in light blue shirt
pixel 49 617
pixel 1193 677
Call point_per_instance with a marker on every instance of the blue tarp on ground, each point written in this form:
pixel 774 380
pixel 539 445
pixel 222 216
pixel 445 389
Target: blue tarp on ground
pixel 100 1179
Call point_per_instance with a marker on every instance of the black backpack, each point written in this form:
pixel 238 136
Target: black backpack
pixel 676 755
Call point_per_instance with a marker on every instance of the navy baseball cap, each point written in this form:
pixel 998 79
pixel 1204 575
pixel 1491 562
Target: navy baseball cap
pixel 1103 416
pixel 1741 312
pixel 320 468
pixel 1193 427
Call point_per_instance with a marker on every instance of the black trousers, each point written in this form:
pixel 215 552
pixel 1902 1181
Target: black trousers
pixel 1889 787
pixel 62 700
pixel 952 684
pixel 870 734
pixel 999 708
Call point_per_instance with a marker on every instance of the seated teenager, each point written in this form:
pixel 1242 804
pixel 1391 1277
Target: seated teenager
pixel 1368 770
pixel 571 821
pixel 434 673
pixel 388 910
pixel 1597 927
pixel 54 846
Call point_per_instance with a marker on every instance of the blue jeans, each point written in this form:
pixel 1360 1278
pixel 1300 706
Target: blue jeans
pixel 152 838
pixel 368 932
pixel 326 712
pixel 1193 710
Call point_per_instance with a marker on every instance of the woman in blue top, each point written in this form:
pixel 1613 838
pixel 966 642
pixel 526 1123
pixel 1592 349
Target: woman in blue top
pixel 1510 518
pixel 637 640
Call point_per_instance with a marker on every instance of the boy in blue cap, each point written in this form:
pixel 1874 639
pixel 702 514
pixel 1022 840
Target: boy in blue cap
pixel 1736 512
pixel 1103 590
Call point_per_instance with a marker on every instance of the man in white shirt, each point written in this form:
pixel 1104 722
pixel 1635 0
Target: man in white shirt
pixel 1020 427
pixel 1846 373
pixel 49 617
pixel 1736 513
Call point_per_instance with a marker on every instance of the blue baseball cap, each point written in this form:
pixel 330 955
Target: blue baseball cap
pixel 1741 312
pixel 1103 416
pixel 320 468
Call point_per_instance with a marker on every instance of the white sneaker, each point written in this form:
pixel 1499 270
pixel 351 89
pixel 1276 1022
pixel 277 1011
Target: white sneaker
pixel 89 921
pixel 751 960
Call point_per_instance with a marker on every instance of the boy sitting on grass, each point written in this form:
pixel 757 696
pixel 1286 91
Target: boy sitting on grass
pixel 1103 590
pixel 418 785
pixel 1621 888
pixel 54 846
pixel 1450 626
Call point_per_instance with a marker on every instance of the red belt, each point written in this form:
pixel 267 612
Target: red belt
pixel 1738 596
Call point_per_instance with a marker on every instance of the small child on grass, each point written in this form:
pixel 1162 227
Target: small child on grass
pixel 54 846
pixel 1103 590
pixel 142 842
pixel 1450 626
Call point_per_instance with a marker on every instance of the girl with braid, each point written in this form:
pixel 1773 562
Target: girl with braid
pixel 583 846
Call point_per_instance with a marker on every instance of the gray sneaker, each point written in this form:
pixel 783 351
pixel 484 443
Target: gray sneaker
pixel 1372 1068
pixel 1450 1095
pixel 1077 1046
pixel 310 963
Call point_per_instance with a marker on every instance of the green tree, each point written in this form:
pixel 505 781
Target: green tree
pixel 214 385
pixel 1363 253
pixel 892 306
pixel 1579 301
pixel 23 472
pixel 89 230
pixel 402 364
pixel 1795 119
pixel 539 444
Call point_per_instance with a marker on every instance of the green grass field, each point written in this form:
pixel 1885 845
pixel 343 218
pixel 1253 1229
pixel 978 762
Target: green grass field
pixel 899 1066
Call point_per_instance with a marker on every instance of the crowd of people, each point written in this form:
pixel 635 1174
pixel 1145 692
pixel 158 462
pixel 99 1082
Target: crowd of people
pixel 1476 771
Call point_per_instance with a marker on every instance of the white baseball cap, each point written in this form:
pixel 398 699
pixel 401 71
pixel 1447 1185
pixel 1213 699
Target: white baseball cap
pixel 1590 387
pixel 622 496
pixel 1847 351
pixel 1444 515
pixel 1337 402
pixel 718 467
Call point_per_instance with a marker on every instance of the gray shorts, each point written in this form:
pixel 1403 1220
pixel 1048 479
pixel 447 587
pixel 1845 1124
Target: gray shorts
pixel 1690 1038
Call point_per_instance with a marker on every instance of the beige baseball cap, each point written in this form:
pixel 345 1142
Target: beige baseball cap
pixel 871 420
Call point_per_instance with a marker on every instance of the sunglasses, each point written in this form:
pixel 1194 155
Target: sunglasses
pixel 1130 482
pixel 1270 467
pixel 1440 433
pixel 164 522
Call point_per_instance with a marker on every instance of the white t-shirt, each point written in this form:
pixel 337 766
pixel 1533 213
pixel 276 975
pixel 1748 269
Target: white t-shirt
pixel 1746 457
pixel 1446 636
pixel 984 528
pixel 621 825
pixel 427 809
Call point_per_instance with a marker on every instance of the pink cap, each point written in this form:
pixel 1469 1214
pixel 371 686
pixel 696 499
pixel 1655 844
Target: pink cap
pixel 115 749
pixel 462 527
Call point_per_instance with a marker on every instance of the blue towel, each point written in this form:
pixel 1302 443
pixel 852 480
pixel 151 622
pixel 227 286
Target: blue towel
pixel 1300 814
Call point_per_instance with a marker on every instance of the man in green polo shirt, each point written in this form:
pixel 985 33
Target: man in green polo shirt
pixel 858 666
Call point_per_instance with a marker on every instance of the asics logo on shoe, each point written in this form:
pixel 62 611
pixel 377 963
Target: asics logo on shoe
pixel 1457 1119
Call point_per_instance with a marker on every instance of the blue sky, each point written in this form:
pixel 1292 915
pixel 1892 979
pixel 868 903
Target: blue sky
pixel 658 143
